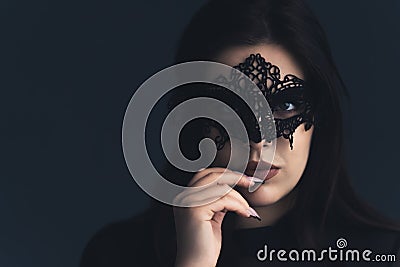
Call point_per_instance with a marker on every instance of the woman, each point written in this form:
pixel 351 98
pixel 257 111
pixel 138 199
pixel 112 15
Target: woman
pixel 304 201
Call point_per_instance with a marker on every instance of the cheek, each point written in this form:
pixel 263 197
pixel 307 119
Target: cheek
pixel 294 161
pixel 223 156
pixel 237 158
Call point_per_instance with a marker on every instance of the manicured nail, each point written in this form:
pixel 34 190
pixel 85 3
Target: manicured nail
pixel 253 213
pixel 255 179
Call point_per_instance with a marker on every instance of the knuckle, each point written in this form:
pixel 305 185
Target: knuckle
pixel 239 197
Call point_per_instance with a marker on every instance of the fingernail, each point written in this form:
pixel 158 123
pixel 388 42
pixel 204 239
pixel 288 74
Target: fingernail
pixel 255 179
pixel 254 214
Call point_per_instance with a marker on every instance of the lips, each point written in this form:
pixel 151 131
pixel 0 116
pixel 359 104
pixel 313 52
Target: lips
pixel 264 170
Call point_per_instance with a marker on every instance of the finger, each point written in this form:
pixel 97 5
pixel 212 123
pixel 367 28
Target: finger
pixel 238 204
pixel 214 210
pixel 215 204
pixel 202 173
pixel 219 216
pixel 227 177
pixel 196 198
pixel 237 196
pixel 232 202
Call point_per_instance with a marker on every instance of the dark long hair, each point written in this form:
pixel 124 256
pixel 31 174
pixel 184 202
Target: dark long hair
pixel 325 193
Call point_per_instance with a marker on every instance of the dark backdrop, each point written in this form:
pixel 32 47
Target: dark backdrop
pixel 68 71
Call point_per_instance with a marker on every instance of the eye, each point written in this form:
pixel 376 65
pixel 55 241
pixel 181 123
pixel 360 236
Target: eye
pixel 287 109
pixel 287 106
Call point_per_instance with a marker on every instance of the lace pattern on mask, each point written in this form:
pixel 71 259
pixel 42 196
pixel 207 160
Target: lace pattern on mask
pixel 267 77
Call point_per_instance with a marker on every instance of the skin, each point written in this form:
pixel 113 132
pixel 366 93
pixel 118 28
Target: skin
pixel 199 228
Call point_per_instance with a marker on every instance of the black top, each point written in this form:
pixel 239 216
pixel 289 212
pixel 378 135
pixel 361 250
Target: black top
pixel 131 243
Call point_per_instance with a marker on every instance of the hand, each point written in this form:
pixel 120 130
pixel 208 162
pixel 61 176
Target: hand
pixel 199 235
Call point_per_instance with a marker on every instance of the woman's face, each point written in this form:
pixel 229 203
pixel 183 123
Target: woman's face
pixel 291 162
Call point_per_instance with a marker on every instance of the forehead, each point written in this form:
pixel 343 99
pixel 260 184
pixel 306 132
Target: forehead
pixel 272 53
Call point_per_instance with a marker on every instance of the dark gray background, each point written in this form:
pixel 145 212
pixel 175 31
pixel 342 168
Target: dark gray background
pixel 68 71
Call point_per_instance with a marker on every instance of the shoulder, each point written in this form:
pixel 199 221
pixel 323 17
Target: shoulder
pixel 124 243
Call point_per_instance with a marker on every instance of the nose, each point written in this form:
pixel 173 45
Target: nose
pixel 257 148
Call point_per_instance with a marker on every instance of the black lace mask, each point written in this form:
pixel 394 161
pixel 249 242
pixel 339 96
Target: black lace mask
pixel 287 97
